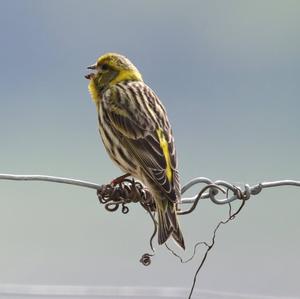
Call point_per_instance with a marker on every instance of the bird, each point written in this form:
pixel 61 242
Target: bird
pixel 137 135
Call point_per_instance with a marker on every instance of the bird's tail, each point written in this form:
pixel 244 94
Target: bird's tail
pixel 168 225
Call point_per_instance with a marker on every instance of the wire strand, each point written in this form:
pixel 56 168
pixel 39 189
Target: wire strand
pixel 238 193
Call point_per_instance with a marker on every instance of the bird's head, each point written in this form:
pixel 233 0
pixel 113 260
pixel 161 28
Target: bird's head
pixel 110 69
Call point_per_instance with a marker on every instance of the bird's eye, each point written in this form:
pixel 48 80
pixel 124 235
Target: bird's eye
pixel 104 67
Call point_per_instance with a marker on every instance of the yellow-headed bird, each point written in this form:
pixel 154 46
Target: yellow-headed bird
pixel 137 135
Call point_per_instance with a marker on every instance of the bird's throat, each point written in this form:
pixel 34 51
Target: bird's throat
pixel 95 94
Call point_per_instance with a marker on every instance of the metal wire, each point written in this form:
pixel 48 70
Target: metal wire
pixel 238 192
pixel 128 191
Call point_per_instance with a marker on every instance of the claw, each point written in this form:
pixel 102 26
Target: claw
pixel 119 179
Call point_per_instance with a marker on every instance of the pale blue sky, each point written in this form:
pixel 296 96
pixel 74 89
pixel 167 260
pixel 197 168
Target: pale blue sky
pixel 228 73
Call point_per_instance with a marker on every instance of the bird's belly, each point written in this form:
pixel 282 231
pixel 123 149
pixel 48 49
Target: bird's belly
pixel 116 150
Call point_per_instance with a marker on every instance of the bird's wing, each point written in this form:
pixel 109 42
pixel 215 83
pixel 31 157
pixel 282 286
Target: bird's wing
pixel 136 113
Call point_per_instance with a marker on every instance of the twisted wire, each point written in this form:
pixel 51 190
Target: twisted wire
pixel 115 196
pixel 238 193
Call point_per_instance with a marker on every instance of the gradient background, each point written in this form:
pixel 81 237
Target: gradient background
pixel 228 73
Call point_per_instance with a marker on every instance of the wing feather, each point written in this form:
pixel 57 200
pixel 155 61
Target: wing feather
pixel 138 132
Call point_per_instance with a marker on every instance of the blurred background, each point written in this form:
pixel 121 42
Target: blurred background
pixel 228 73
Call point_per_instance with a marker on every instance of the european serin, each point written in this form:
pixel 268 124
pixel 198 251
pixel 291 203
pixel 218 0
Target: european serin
pixel 137 135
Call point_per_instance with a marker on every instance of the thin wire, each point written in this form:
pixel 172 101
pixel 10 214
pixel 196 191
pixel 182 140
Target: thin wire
pixel 238 193
pixel 47 178
pixel 212 188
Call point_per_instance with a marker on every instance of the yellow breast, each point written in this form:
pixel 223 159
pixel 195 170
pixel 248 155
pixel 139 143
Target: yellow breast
pixel 94 92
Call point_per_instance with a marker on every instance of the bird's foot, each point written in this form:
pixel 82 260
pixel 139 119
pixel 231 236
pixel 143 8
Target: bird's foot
pixel 119 179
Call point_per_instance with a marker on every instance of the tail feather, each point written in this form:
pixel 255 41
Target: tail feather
pixel 168 225
pixel 176 234
pixel 178 237
pixel 164 227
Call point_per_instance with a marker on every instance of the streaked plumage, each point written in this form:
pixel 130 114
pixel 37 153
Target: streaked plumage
pixel 137 135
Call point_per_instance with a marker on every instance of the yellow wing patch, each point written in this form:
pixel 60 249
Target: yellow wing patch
pixel 165 148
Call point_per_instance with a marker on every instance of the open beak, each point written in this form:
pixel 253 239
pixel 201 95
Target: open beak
pixel 91 75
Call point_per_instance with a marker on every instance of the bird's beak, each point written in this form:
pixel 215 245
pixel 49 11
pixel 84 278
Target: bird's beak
pixel 92 67
pixel 91 75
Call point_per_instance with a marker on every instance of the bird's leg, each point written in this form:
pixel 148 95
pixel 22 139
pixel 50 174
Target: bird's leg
pixel 119 179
